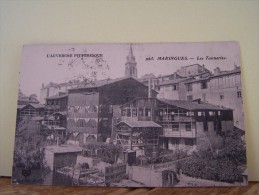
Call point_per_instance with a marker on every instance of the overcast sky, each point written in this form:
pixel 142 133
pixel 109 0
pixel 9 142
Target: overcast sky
pixel 37 68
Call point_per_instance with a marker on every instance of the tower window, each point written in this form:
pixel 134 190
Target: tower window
pixel 204 97
pixel 189 97
pixel 189 87
pixel 239 94
pixel 221 97
pixel 205 126
pixel 204 85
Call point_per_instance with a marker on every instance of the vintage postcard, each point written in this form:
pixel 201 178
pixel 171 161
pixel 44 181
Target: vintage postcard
pixel 131 115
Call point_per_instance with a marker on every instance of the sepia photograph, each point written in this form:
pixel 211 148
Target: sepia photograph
pixel 130 115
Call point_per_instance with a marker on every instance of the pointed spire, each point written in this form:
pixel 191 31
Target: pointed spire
pixel 130 57
pixel 131 65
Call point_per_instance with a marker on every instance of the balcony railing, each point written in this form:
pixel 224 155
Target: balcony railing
pixel 54 107
pixel 176 119
pixel 179 133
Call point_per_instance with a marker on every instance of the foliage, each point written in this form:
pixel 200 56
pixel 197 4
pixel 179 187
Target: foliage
pixel 162 157
pixel 223 165
pixel 33 97
pixel 234 148
pixel 108 153
pixel 28 153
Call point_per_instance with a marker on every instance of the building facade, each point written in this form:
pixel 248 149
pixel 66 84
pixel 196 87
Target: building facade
pixel 194 82
pixel 99 103
pixel 222 88
pixel 186 125
pixel 54 89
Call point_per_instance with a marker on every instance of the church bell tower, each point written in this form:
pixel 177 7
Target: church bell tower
pixel 131 65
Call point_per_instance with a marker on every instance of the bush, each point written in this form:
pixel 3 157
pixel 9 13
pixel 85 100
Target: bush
pixel 212 167
pixel 28 153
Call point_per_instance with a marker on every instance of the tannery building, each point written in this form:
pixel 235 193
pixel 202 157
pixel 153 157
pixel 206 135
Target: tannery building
pixel 187 125
pixel 93 110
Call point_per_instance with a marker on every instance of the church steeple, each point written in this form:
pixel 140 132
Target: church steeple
pixel 131 65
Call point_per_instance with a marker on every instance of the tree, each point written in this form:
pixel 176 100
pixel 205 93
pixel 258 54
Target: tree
pixel 33 97
pixel 28 142
pixel 226 165
pixel 108 153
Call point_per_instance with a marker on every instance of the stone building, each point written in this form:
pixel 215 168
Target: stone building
pixel 222 88
pixel 54 89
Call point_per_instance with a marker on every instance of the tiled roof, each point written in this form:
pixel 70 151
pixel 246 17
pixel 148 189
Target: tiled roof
pixel 63 149
pixel 56 97
pixel 37 106
pixel 21 106
pixel 174 81
pixel 198 80
pixel 100 83
pixel 133 124
pixel 64 113
pixel 237 70
pixel 77 99
pixel 223 73
pixel 188 105
pixel 37 118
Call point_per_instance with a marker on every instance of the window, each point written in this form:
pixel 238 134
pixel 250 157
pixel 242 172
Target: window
pixel 239 94
pixel 189 97
pixel 158 88
pixel 189 87
pixel 128 112
pixel 217 126
pixel 91 123
pixel 175 127
pixel 160 113
pixel 92 109
pixel 188 126
pixel 204 97
pixel 219 113
pixel 205 126
pixel 175 141
pixel 148 112
pixel 221 96
pixel 167 88
pixel 211 113
pixel 105 122
pixel 134 112
pixel 204 85
pixel 140 112
pixel 201 113
pixel 81 123
pixel 174 87
pixel 124 112
pixel 189 142
pixel 190 114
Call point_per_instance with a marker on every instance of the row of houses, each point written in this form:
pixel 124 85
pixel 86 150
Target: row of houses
pixel 190 82
pixel 122 111
pixel 194 82
pixel 189 108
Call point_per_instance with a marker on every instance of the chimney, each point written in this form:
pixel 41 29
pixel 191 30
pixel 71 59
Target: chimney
pixel 217 71
pixel 42 86
pixel 203 68
pixel 149 88
pixel 235 66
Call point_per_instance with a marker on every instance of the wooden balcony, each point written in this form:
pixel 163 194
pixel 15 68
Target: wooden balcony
pixel 52 107
pixel 179 133
pixel 176 119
